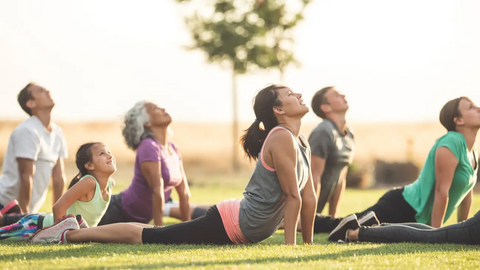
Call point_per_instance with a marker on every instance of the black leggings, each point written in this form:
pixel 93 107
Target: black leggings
pixel 115 213
pixel 207 229
pixel 9 219
pixel 466 232
pixel 390 208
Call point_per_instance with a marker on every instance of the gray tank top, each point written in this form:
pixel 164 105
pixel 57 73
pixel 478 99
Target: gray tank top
pixel 262 210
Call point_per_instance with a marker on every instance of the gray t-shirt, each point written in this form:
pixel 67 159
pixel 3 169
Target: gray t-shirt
pixel 262 210
pixel 327 142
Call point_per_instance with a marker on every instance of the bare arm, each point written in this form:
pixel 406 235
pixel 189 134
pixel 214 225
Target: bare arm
pixel 334 203
pixel 318 166
pixel 83 189
pixel 464 207
pixel 307 213
pixel 58 180
pixel 283 155
pixel 445 165
pixel 152 172
pixel 184 197
pixel 26 168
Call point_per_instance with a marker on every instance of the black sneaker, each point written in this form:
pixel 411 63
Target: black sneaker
pixel 369 219
pixel 11 208
pixel 339 234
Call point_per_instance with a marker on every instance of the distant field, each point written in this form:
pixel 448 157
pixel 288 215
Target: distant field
pixel 208 147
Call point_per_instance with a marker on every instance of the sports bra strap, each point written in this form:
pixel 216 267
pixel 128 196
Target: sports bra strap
pixel 268 136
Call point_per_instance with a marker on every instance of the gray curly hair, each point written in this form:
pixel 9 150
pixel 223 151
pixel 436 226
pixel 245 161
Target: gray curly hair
pixel 134 130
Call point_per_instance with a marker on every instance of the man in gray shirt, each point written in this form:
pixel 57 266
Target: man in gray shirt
pixel 332 147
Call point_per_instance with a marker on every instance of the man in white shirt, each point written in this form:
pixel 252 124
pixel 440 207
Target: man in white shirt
pixel 35 154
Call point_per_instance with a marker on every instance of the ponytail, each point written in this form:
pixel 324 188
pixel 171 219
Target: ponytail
pixel 75 180
pixel 254 137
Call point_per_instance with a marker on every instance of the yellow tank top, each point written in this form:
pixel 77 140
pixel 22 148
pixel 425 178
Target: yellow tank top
pixel 92 211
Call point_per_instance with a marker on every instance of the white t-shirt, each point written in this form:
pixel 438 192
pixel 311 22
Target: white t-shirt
pixel 31 140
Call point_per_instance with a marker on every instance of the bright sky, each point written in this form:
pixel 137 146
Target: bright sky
pixel 395 60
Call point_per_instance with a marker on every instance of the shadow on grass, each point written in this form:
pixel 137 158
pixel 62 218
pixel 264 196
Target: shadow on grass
pixel 354 250
pixel 397 249
pixel 89 249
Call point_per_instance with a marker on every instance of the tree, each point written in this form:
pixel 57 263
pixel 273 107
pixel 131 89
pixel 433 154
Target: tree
pixel 280 20
pixel 244 36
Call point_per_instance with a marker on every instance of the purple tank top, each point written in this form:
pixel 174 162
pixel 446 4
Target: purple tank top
pixel 137 198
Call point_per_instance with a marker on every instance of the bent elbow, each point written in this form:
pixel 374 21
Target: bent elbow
pixel 26 177
pixel 295 199
pixel 441 193
pixel 56 209
pixel 292 195
pixel 156 188
pixel 185 196
pixel 59 180
pixel 441 190
pixel 310 200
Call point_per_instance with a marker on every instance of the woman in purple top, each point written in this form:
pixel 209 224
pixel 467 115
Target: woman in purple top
pixel 158 170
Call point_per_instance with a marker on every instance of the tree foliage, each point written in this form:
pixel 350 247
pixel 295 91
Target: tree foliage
pixel 245 35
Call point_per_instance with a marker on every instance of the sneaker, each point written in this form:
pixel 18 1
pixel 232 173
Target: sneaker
pixel 82 223
pixel 339 234
pixel 369 219
pixel 56 232
pixel 11 208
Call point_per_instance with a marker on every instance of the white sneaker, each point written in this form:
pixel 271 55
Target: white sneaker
pixel 56 232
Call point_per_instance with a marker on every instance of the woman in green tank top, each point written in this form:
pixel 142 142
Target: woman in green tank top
pixel 445 182
pixel 87 196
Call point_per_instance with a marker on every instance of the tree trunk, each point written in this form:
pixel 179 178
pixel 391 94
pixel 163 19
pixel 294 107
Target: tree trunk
pixel 235 146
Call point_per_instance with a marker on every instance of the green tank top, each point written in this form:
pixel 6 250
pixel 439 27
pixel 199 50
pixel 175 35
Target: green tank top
pixel 421 193
pixel 92 211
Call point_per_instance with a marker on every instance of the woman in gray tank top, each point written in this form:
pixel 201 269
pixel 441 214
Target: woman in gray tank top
pixel 280 188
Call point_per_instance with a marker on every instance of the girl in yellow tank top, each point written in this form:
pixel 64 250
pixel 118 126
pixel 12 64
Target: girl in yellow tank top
pixel 87 196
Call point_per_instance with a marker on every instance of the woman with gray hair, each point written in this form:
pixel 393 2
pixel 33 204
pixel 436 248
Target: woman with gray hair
pixel 158 170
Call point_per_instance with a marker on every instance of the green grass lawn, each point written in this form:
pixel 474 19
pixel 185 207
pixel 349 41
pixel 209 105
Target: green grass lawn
pixel 269 254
